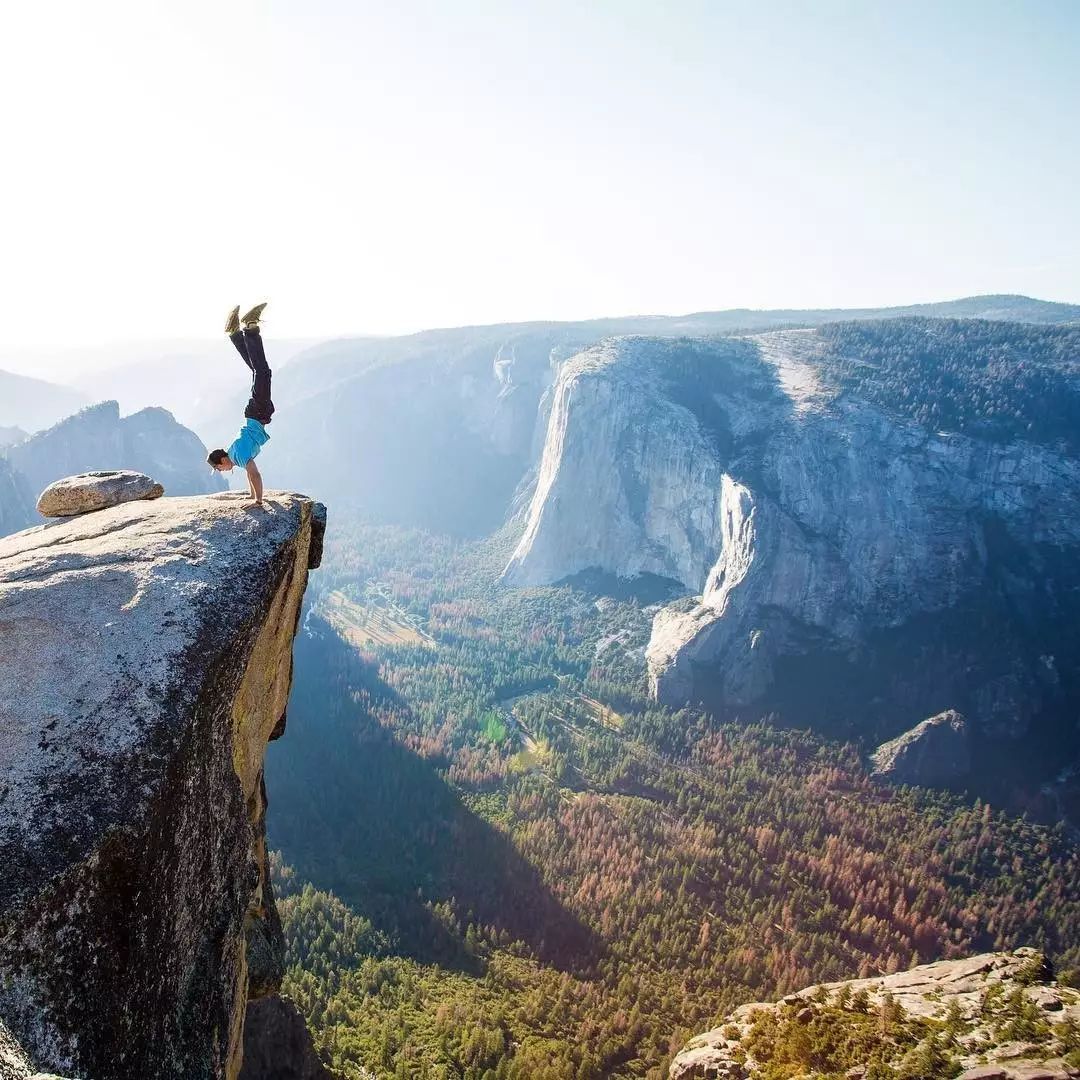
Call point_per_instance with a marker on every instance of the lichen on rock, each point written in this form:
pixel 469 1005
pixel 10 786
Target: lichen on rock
pixel 145 660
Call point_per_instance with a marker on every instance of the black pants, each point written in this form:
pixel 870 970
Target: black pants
pixel 250 347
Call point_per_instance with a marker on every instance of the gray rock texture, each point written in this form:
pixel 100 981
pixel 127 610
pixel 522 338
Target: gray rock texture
pixel 145 660
pixel 809 523
pixel 277 1044
pixel 99 438
pixel 925 992
pixel 89 491
pixel 935 752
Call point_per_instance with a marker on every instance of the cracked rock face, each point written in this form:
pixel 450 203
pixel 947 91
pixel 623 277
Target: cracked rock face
pixel 145 660
pixel 277 1044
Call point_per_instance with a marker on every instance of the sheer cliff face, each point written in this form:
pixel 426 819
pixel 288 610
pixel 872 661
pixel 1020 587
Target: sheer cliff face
pixel 810 524
pixel 145 661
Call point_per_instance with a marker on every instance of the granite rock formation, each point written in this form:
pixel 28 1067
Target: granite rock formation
pixel 145 661
pixel 931 991
pixel 89 491
pixel 932 753
pixel 466 408
pixel 811 524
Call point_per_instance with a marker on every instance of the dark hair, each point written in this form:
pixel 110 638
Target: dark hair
pixel 216 457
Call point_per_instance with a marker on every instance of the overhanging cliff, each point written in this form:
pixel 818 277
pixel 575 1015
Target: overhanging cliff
pixel 145 662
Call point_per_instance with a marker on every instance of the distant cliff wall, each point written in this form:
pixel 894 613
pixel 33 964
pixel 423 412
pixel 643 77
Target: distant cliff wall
pixel 930 569
pixel 145 661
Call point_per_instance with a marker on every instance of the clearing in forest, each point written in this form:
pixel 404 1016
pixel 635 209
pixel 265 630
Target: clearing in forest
pixel 363 624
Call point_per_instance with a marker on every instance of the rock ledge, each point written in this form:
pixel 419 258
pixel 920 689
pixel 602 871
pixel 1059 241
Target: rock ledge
pixel 151 648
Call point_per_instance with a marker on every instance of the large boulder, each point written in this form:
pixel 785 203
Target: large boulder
pixel 935 752
pixel 149 441
pixel 145 661
pixel 90 491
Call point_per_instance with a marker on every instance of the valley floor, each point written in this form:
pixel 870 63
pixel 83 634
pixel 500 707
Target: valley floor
pixel 498 859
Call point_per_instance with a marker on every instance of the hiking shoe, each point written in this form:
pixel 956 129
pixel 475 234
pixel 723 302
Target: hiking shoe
pixel 232 323
pixel 251 319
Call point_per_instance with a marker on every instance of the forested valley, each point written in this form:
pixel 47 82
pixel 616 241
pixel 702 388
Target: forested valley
pixel 496 858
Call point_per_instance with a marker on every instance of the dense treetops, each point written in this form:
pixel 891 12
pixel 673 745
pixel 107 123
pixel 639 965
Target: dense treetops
pixel 501 861
pixel 995 380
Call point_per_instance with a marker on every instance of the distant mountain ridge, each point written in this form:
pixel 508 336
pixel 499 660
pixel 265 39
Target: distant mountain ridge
pixel 32 404
pixel 148 441
pixel 438 428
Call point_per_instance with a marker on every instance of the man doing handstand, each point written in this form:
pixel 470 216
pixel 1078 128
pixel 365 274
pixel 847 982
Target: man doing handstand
pixel 253 435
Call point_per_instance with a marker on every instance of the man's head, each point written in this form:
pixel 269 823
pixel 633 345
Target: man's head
pixel 219 460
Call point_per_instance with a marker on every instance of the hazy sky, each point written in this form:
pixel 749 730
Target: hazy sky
pixel 387 167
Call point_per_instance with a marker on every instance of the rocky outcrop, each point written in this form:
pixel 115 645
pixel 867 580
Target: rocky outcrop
pixel 91 491
pixel 145 660
pixel 811 524
pixel 935 752
pixel 150 442
pixel 985 1000
pixel 277 1044
pixel 628 480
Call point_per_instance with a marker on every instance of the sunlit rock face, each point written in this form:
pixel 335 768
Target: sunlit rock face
pixel 145 661
pixel 810 524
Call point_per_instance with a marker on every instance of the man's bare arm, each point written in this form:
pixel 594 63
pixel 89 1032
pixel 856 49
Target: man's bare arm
pixel 254 481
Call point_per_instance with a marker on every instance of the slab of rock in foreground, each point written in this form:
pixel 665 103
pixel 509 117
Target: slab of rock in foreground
pixel 84 492
pixel 936 751
pixel 145 660
pixel 927 992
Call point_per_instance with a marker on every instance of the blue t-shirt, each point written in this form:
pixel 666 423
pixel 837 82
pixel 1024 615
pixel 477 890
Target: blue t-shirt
pixel 248 443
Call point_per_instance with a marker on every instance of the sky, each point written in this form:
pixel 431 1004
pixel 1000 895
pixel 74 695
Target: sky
pixel 382 168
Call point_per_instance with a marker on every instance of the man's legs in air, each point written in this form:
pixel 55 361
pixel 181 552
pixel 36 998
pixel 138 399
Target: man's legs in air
pixel 232 328
pixel 259 405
